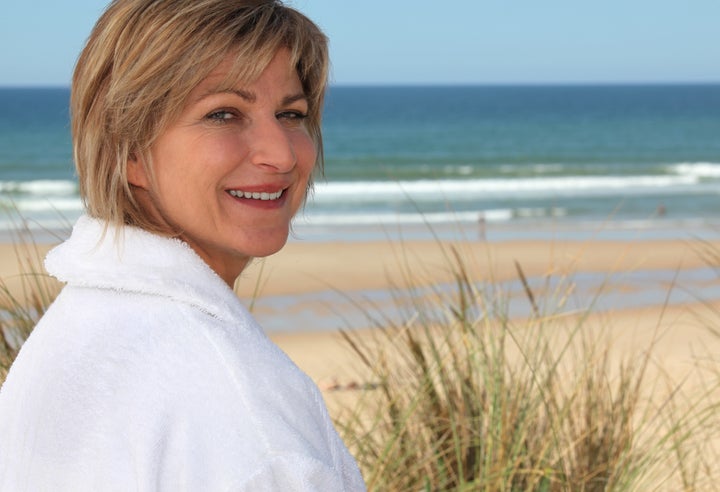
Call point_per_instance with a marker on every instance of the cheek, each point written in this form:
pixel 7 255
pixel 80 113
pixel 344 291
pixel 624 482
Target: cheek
pixel 190 162
pixel 305 152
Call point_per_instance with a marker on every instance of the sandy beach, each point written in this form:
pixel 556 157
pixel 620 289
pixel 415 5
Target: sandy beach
pixel 304 267
pixel 358 267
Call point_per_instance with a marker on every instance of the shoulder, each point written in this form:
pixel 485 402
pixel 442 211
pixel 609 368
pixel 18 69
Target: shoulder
pixel 99 361
pixel 99 334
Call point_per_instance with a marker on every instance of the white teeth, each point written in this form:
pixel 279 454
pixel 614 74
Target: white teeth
pixel 256 195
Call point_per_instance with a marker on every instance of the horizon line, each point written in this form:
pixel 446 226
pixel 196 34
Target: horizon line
pixel 450 84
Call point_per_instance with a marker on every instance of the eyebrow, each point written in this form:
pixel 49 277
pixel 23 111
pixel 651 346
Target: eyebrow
pixel 251 97
pixel 294 98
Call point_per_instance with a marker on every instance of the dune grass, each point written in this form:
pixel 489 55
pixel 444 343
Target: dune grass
pixel 23 298
pixel 469 398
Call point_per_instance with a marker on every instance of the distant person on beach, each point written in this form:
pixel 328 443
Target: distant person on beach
pixel 196 130
pixel 482 227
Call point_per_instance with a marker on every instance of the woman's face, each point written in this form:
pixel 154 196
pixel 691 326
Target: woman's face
pixel 233 169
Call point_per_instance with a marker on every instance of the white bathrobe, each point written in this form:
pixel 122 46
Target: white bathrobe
pixel 147 374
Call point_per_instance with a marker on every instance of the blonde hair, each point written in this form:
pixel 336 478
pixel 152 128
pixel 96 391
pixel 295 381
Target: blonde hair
pixel 142 60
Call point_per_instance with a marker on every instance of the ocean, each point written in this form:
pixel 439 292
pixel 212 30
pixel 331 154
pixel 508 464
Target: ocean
pixel 500 162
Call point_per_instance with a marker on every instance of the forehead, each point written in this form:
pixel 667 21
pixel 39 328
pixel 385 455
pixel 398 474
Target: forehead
pixel 236 71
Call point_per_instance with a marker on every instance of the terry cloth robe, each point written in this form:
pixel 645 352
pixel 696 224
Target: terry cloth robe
pixel 148 374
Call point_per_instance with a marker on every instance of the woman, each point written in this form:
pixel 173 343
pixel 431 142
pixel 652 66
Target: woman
pixel 196 129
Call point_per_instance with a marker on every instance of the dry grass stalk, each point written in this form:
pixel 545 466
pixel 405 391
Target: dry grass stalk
pixel 470 399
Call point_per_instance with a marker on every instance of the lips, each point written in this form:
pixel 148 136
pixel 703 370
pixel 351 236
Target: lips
pixel 257 195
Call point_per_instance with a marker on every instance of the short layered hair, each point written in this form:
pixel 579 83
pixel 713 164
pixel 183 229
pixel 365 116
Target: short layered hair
pixel 142 60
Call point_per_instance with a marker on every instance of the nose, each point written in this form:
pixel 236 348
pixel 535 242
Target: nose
pixel 272 146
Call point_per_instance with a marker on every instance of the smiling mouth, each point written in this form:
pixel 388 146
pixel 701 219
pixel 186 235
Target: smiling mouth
pixel 255 195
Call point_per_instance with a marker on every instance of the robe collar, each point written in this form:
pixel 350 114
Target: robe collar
pixel 133 260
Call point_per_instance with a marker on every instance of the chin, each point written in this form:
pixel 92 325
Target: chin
pixel 268 245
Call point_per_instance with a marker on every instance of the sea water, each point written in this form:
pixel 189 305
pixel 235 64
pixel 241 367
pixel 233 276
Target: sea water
pixel 504 161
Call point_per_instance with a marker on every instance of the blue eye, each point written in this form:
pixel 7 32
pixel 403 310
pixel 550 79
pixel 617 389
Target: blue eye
pixel 221 115
pixel 292 117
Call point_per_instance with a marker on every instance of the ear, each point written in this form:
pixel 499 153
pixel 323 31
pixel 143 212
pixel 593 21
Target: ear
pixel 136 174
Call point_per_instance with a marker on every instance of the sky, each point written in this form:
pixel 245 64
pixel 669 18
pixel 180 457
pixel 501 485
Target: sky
pixel 430 42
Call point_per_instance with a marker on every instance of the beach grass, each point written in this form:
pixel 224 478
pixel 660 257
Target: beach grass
pixel 24 297
pixel 465 397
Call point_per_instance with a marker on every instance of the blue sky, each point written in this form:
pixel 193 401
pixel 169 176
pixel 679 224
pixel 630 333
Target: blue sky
pixel 428 42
